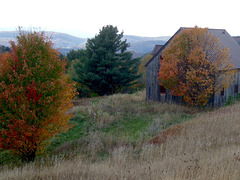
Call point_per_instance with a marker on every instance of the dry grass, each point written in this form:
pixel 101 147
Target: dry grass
pixel 207 147
pixel 105 110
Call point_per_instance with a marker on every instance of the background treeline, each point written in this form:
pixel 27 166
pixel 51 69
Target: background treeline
pixel 4 49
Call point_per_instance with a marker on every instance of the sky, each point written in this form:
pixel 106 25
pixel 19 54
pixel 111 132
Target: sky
pixel 149 18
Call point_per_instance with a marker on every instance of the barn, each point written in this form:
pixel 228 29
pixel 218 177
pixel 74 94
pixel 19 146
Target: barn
pixel 156 92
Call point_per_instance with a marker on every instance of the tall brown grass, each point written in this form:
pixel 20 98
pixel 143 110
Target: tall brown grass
pixel 207 147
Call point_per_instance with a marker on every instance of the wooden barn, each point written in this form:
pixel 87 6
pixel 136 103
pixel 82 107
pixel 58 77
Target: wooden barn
pixel 156 92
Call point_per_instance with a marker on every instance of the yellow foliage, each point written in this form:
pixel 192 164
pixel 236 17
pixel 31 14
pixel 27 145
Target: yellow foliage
pixel 195 66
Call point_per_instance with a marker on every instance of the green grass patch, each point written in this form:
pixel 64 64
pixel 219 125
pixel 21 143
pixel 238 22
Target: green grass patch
pixel 6 158
pixel 80 128
pixel 130 127
pixel 170 119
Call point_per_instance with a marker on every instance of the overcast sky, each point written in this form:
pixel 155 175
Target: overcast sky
pixel 84 18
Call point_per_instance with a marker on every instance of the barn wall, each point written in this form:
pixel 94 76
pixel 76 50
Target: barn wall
pixel 152 85
pixel 153 88
pixel 219 99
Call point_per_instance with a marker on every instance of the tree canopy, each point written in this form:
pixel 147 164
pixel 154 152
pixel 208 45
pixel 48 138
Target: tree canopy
pixel 35 95
pixel 108 67
pixel 195 65
pixel 76 54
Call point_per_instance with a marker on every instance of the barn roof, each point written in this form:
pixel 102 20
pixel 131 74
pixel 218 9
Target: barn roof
pixel 225 39
pixel 163 47
pixel 156 49
pixel 230 43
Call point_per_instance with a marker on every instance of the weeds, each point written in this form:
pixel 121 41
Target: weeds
pixel 125 137
pixel 232 100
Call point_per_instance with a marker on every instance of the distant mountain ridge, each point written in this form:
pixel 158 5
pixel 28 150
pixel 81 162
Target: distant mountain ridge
pixel 143 45
pixel 60 40
pixel 65 42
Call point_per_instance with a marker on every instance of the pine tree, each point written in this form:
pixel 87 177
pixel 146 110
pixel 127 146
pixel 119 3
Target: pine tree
pixel 108 67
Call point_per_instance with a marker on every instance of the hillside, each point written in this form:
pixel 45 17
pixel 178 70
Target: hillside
pixel 135 39
pixel 145 46
pixel 6 36
pixel 142 45
pixel 124 137
pixel 66 42
pixel 61 40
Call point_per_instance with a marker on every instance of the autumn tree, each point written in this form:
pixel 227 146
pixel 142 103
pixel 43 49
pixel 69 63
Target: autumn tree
pixel 142 68
pixel 108 67
pixel 35 95
pixel 195 65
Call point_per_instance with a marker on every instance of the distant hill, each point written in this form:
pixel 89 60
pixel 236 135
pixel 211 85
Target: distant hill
pixel 133 39
pixel 6 36
pixel 142 45
pixel 65 42
pixel 60 40
pixel 145 46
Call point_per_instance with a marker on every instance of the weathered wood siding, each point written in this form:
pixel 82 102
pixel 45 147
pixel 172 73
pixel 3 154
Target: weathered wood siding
pixel 152 85
pixel 219 99
pixel 153 88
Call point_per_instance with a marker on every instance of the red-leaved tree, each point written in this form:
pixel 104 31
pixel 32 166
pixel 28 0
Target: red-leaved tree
pixel 35 95
pixel 195 65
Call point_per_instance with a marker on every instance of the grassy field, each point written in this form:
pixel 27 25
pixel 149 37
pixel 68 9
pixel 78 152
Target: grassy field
pixel 125 137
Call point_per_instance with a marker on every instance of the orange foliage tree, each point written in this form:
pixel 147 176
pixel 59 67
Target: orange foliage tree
pixel 35 95
pixel 195 65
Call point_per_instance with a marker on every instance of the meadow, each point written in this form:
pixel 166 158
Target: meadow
pixel 123 136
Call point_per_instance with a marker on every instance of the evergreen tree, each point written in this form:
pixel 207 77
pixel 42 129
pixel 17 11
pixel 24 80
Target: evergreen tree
pixel 108 67
pixel 76 54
